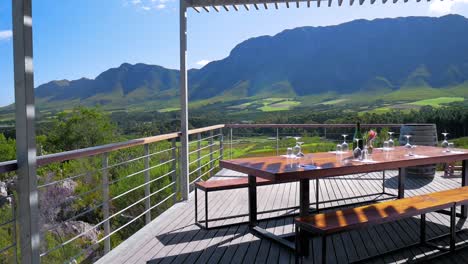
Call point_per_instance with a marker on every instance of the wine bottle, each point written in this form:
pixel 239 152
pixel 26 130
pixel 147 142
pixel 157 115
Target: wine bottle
pixel 358 135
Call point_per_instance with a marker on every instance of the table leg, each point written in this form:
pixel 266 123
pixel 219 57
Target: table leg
pixel 304 200
pixel 464 208
pixel 401 182
pixel 252 201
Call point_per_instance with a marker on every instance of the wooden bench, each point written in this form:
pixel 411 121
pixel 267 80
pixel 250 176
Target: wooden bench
pixel 329 223
pixel 222 185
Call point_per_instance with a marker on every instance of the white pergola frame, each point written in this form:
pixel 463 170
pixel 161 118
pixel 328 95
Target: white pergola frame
pixel 25 108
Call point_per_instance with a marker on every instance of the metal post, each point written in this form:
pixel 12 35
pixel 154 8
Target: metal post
pixel 453 224
pixel 252 201
pixel 184 140
pixel 230 143
pixel 174 168
pixel 317 194
pixel 383 182
pixel 211 142
pixel 277 141
pixel 325 132
pixel 147 186
pixel 422 232
pixel 304 203
pixel 105 198
pixel 221 144
pixel 199 137
pixel 28 207
pixel 464 208
pixel 401 182
pixel 13 233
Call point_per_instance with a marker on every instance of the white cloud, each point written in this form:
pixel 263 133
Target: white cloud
pixel 444 7
pixel 6 34
pixel 149 4
pixel 203 62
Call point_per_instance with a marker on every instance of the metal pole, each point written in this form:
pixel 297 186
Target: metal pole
pixel 199 137
pixel 174 168
pixel 221 144
pixel 211 153
pixel 147 186
pixel 230 143
pixel 184 150
pixel 28 207
pixel 105 198
pixel 277 141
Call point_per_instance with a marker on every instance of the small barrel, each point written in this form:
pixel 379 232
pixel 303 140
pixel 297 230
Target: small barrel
pixel 421 135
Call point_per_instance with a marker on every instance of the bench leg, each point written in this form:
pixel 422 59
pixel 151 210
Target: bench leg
pixel 464 173
pixel 422 232
pixel 453 217
pixel 298 244
pixel 206 210
pixel 324 249
pixel 383 182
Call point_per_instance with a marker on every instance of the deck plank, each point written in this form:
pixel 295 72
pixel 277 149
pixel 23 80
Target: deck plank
pixel 173 238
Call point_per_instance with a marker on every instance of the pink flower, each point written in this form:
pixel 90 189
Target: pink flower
pixel 372 134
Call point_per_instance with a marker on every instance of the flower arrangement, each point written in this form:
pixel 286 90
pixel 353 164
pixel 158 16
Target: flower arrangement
pixel 370 137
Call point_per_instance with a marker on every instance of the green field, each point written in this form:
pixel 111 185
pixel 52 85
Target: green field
pixel 436 102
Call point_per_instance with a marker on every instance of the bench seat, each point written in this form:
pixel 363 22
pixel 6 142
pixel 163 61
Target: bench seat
pixel 219 185
pixel 329 223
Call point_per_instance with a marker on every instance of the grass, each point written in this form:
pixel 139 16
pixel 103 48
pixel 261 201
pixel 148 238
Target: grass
pixel 336 101
pixel 279 106
pixel 169 109
pixel 437 102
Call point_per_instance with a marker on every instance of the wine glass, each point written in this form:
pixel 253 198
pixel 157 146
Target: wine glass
pixel 339 149
pixel 289 152
pixel 357 151
pixel 386 145
pixel 391 143
pixel 450 147
pixel 408 146
pixel 344 145
pixel 299 145
pixel 445 142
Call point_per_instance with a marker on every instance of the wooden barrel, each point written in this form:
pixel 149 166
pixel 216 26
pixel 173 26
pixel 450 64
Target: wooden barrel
pixel 422 135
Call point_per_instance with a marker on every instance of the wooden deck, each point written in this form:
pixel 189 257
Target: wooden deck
pixel 173 237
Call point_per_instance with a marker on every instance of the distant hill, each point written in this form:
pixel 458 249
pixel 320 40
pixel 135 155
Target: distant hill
pixel 378 56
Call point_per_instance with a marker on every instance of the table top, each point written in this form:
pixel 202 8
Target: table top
pixel 328 164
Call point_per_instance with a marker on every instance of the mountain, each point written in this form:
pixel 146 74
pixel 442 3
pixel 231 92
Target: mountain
pixel 382 55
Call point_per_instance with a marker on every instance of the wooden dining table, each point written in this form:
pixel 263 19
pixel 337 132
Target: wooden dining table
pixel 316 166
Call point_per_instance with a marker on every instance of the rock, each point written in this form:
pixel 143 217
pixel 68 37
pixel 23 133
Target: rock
pixel 73 228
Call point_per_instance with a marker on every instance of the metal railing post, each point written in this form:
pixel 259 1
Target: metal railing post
pixel 28 197
pixel 199 137
pixel 147 186
pixel 221 145
pixel 277 141
pixel 174 169
pixel 230 143
pixel 211 153
pixel 13 232
pixel 325 133
pixel 184 124
pixel 105 198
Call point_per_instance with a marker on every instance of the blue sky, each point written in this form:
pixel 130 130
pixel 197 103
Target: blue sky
pixel 82 38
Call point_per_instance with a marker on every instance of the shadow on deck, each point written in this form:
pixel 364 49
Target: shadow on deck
pixel 173 237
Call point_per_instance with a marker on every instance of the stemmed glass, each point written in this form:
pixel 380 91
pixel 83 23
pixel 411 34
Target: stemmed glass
pixel 297 150
pixel 445 142
pixel 357 151
pixel 391 143
pixel 408 146
pixel 344 145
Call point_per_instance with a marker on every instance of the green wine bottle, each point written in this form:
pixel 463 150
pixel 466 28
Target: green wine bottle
pixel 358 135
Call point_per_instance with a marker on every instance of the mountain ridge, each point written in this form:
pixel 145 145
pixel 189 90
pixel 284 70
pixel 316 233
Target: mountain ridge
pixel 356 56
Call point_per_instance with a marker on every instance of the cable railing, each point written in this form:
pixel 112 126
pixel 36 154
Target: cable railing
pixel 90 200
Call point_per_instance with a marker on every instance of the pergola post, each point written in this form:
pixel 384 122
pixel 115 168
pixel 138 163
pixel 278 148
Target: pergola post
pixel 184 150
pixel 25 131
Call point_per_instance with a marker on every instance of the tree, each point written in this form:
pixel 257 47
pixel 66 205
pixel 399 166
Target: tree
pixel 7 148
pixel 80 128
